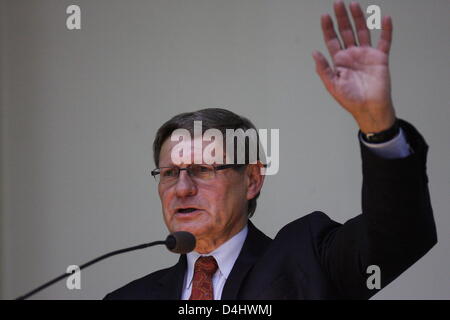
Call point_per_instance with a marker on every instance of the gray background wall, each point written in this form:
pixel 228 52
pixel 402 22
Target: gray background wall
pixel 79 110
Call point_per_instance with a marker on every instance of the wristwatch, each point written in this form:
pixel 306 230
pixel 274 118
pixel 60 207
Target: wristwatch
pixel 383 136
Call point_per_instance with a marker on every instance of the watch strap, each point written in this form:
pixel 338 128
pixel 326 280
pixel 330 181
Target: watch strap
pixel 383 136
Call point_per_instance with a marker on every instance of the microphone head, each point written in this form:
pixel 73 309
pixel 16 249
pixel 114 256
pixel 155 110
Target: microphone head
pixel 180 242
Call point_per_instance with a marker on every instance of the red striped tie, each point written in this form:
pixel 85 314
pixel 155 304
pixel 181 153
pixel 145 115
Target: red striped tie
pixel 204 269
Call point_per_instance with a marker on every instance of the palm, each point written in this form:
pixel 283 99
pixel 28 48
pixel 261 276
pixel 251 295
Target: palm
pixel 359 76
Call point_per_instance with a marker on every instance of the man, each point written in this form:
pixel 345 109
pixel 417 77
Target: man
pixel 312 257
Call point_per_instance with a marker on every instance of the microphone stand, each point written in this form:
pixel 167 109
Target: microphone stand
pixel 87 264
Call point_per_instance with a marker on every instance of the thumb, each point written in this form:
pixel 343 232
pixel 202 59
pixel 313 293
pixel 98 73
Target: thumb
pixel 324 70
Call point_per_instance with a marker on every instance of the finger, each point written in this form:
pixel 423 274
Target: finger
pixel 331 39
pixel 345 27
pixel 384 44
pixel 323 69
pixel 362 31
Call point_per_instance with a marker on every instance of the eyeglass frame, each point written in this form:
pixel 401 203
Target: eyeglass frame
pixel 157 171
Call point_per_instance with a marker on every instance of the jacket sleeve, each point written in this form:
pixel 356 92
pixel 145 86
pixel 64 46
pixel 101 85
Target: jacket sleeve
pixel 395 229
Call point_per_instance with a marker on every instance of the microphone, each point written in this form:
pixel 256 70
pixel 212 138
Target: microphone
pixel 181 242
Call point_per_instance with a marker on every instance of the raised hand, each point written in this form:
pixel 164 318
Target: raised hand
pixel 359 78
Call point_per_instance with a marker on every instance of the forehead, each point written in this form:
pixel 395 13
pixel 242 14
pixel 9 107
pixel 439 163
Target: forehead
pixel 165 156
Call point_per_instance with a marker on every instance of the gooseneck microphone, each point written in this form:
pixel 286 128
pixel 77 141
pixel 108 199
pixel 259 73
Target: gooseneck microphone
pixel 178 242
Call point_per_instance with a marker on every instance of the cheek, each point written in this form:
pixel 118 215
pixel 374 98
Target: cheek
pixel 165 197
pixel 236 190
pixel 230 201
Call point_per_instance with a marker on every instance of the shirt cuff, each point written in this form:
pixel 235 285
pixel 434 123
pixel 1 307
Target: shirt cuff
pixel 395 148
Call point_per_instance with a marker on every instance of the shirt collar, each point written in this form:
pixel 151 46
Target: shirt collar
pixel 225 255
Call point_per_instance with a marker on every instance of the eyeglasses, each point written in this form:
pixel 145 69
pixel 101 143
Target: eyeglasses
pixel 200 172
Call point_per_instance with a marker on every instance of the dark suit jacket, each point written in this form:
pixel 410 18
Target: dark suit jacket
pixel 316 258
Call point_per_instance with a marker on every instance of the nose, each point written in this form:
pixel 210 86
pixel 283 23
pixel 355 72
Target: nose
pixel 185 187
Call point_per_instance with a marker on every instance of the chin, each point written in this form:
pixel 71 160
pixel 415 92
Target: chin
pixel 198 226
pixel 196 230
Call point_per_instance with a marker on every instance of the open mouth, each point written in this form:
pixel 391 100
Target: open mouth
pixel 186 210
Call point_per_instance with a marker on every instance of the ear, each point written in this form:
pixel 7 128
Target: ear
pixel 255 179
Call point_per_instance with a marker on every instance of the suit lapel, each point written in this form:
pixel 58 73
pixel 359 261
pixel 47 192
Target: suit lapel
pixel 171 284
pixel 256 243
pixel 254 246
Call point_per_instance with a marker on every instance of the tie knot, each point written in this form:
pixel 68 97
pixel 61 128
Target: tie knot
pixel 207 265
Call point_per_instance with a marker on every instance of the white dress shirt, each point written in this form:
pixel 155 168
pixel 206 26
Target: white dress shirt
pixel 228 252
pixel 225 256
pixel 395 148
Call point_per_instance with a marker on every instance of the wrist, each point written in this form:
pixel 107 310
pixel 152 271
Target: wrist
pixel 382 136
pixel 375 122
